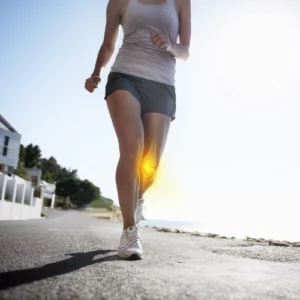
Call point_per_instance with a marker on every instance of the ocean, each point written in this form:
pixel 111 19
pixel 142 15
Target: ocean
pixel 276 231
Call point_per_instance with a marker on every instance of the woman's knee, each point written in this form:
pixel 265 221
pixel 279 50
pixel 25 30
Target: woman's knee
pixel 149 165
pixel 132 150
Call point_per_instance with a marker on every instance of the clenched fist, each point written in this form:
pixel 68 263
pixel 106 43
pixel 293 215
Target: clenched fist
pixel 160 40
pixel 92 83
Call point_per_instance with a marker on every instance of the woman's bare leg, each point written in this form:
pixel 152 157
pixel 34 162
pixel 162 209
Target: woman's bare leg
pixel 156 128
pixel 125 112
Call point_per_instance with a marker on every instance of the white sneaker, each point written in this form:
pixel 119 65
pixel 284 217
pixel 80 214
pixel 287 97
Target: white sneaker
pixel 139 211
pixel 130 244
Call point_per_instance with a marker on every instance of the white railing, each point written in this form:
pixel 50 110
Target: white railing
pixel 17 201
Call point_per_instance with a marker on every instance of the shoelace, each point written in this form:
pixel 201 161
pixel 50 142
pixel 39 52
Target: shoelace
pixel 133 239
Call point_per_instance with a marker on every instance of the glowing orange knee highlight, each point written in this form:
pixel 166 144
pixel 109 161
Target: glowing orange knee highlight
pixel 149 166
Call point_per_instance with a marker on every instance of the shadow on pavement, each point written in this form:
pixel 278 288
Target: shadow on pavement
pixel 75 262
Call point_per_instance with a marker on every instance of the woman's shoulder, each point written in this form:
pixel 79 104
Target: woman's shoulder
pixel 119 6
pixel 182 4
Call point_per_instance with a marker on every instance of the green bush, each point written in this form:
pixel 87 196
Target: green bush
pixel 102 202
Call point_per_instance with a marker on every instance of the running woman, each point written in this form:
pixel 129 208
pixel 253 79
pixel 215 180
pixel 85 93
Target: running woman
pixel 140 95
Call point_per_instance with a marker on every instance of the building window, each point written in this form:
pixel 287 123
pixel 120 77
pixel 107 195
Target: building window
pixel 5 146
pixel 6 140
pixel 4 151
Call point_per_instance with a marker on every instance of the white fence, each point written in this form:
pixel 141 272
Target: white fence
pixel 17 201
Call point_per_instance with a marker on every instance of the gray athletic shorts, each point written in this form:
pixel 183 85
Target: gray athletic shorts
pixel 154 97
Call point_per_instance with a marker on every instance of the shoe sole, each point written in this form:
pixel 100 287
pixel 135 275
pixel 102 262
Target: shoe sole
pixel 133 256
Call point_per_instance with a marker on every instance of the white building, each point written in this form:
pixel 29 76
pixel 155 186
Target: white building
pixel 48 193
pixel 35 177
pixel 17 201
pixel 10 141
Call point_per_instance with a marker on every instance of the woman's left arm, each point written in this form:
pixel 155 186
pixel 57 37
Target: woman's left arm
pixel 182 50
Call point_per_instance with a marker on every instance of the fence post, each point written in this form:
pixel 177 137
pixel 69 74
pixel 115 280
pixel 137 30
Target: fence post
pixel 53 201
pixel 4 182
pixel 23 194
pixel 13 200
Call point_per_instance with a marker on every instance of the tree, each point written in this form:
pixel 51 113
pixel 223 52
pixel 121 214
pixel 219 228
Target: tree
pixel 81 192
pixel 49 165
pixel 48 177
pixel 68 188
pixel 53 172
pixel 22 154
pixel 50 169
pixel 20 170
pixel 32 157
pixel 87 193
pixel 66 173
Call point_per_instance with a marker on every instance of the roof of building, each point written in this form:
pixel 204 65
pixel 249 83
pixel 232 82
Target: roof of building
pixel 7 124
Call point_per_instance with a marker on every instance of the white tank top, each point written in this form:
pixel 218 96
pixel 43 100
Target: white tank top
pixel 138 56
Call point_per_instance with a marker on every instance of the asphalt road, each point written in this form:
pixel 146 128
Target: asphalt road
pixel 71 255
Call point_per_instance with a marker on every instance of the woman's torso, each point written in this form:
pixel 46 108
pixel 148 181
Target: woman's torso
pixel 138 56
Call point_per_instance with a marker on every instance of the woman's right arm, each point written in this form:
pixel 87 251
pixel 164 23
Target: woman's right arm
pixel 113 17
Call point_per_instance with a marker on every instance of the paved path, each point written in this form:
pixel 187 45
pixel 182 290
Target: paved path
pixel 71 255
